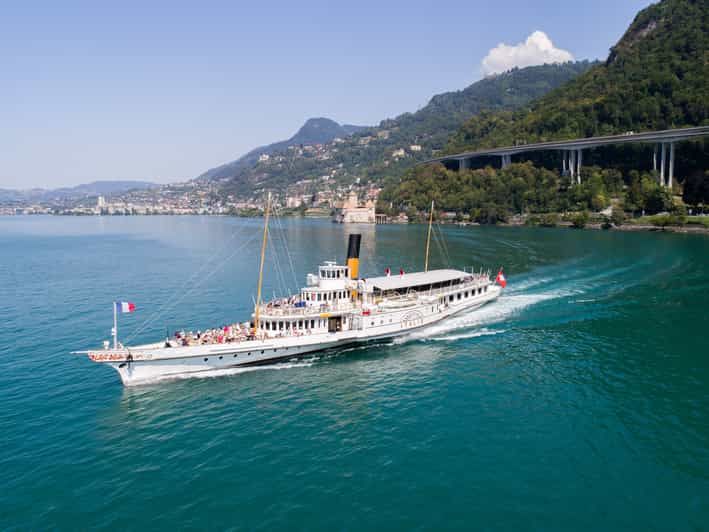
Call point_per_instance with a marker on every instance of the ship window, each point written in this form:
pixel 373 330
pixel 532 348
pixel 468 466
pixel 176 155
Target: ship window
pixel 300 324
pixel 206 359
pixel 372 324
pixel 261 352
pixel 459 295
pixel 220 357
pixel 450 298
pixel 312 324
pixel 235 356
pixel 486 288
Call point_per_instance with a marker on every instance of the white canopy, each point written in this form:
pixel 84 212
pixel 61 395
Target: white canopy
pixel 399 282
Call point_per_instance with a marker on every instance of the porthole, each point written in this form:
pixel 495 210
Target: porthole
pixel 234 356
pixel 220 357
pixel 206 359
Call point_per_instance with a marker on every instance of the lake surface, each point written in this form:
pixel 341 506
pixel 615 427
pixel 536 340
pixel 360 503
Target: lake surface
pixel 579 400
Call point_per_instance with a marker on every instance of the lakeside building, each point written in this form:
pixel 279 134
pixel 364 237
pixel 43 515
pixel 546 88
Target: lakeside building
pixel 352 211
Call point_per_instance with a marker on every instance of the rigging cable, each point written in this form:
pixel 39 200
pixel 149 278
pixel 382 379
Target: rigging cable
pixel 172 303
pixel 288 253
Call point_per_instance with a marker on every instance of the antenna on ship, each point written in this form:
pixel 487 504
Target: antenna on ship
pixel 260 271
pixel 428 239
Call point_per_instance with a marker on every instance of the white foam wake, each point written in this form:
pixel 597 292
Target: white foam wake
pixel 465 336
pixel 495 312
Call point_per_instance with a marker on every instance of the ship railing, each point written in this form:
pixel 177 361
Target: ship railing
pixel 312 310
pixel 474 283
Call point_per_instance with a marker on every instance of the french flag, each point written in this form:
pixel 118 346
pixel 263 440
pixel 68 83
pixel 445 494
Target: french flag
pixel 123 307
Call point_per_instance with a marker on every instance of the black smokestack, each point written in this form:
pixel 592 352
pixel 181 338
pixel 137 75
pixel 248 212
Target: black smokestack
pixel 353 255
pixel 353 246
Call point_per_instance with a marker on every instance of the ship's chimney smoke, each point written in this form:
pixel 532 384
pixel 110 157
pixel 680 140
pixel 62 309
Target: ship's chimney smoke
pixel 353 255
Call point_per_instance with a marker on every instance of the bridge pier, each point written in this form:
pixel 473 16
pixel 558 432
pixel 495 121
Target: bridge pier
pixel 506 160
pixel 579 159
pixel 563 162
pixel 572 165
pixel 464 164
pixel 654 158
pixel 667 168
pixel 672 165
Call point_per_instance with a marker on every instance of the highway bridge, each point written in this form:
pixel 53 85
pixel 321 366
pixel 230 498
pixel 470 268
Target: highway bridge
pixel 572 150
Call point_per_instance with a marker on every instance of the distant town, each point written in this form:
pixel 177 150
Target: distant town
pixel 320 197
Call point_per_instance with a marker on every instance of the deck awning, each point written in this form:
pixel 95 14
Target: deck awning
pixel 401 282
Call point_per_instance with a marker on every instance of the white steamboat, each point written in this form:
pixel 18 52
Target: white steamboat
pixel 336 308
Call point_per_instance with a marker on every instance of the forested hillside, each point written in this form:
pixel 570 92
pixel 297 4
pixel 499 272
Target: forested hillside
pixel 397 144
pixel 314 131
pixel 656 77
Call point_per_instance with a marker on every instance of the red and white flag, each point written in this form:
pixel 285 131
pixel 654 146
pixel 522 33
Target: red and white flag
pixel 501 279
pixel 124 306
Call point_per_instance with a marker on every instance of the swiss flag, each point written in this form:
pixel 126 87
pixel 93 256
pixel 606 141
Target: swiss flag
pixel 501 279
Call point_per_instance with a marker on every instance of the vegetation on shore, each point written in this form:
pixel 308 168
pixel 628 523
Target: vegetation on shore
pixel 654 78
pixel 491 195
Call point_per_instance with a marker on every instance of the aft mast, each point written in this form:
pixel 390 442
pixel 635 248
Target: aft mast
pixel 428 239
pixel 260 272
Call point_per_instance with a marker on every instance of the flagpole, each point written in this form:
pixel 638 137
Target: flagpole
pixel 115 327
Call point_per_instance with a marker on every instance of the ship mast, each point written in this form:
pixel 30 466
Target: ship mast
pixel 428 239
pixel 260 271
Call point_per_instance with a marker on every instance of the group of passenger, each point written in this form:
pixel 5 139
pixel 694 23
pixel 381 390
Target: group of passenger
pixel 235 332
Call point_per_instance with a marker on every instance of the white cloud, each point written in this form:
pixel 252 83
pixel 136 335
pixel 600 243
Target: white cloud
pixel 536 50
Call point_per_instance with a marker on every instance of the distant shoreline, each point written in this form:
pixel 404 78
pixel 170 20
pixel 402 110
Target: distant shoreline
pixel 593 226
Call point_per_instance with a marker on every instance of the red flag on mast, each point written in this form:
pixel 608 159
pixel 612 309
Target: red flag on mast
pixel 500 279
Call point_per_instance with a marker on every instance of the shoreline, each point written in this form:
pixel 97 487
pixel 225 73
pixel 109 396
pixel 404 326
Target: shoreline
pixel 593 226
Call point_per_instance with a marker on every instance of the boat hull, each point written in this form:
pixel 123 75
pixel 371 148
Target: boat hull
pixel 141 365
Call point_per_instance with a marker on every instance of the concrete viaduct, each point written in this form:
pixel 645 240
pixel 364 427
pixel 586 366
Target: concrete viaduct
pixel 572 150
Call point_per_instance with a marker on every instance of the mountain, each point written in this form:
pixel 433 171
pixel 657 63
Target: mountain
pixel 395 144
pixel 96 188
pixel 314 131
pixel 656 77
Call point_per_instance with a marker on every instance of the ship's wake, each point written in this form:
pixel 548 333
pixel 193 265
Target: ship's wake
pixel 483 321
pixel 511 309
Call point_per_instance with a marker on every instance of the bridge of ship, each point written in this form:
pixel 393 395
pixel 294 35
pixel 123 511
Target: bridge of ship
pixel 572 150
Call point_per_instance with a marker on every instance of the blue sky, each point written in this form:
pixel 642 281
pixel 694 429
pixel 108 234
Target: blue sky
pixel 162 91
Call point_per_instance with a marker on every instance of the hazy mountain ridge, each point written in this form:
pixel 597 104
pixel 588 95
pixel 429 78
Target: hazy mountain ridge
pixel 314 131
pixel 95 188
pixel 369 154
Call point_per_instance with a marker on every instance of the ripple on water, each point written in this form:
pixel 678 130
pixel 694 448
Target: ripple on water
pixel 577 400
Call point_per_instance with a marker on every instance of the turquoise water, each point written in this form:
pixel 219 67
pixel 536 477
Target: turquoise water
pixel 580 400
